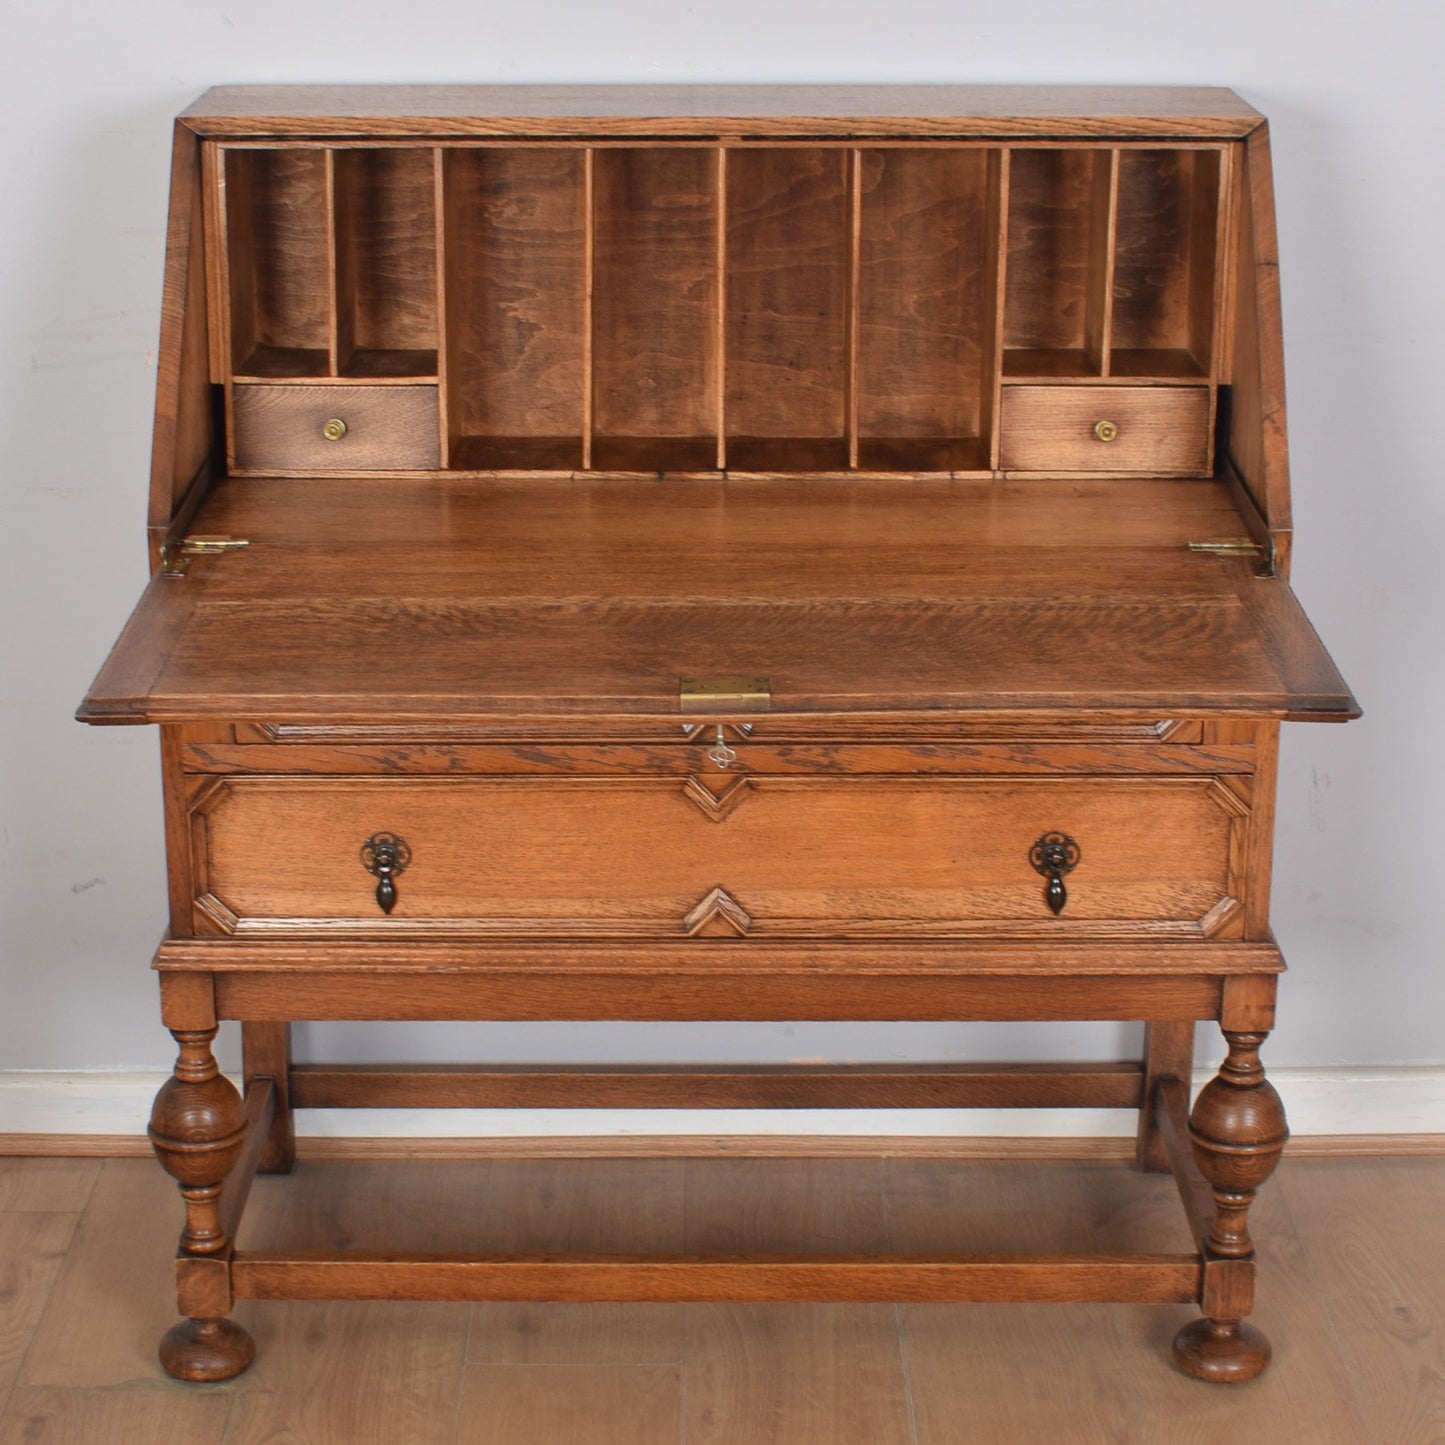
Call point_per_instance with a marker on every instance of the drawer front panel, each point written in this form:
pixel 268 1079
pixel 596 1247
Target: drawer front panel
pixel 294 428
pixel 1064 429
pixel 663 857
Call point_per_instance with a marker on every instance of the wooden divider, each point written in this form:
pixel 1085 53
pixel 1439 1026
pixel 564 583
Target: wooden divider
pixel 694 307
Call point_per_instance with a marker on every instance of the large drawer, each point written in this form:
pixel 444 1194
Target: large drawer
pixel 751 856
pixel 336 428
pixel 1104 429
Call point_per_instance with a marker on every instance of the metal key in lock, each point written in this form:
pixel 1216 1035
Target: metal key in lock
pixel 720 753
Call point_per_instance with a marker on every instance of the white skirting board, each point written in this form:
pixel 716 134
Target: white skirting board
pixel 1343 1101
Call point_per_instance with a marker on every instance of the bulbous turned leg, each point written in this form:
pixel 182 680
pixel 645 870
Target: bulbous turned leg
pixel 1237 1130
pixel 204 1351
pixel 198 1129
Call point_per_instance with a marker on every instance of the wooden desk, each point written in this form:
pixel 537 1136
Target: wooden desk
pixel 704 566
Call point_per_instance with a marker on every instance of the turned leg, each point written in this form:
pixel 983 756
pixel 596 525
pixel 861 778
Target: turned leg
pixel 198 1129
pixel 1237 1130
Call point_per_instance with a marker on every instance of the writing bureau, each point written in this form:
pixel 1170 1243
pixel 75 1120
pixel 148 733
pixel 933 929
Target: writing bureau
pixel 732 553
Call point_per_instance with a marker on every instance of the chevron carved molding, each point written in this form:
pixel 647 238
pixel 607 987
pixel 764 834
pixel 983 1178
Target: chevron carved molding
pixel 716 806
pixel 717 915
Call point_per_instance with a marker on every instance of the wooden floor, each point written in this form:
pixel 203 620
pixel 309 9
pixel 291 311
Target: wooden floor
pixel 1353 1296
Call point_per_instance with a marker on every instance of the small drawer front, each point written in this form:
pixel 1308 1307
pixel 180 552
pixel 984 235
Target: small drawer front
pixel 335 428
pixel 1104 429
pixel 749 856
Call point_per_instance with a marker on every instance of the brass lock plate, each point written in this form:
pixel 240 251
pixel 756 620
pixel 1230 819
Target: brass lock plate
pixel 724 694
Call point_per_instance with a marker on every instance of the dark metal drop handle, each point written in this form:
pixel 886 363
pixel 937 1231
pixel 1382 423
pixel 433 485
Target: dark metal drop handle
pixel 385 857
pixel 1054 855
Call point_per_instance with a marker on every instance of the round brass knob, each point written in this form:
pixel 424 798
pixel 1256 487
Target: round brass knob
pixel 1106 431
pixel 334 429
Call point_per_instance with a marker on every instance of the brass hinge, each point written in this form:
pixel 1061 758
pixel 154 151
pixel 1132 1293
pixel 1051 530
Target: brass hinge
pixel 1228 546
pixel 724 694
pixel 176 556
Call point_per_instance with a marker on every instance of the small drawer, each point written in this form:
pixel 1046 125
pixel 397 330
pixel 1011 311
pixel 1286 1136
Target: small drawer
pixel 335 428
pixel 1104 429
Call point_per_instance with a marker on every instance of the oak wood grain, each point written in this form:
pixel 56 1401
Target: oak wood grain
pixel 654 304
pixel 1048 959
pixel 1164 271
pixel 1057 237
pixel 516 308
pixel 821 1278
pixel 386 275
pixel 280 428
pixel 278 214
pixel 375 752
pixel 1257 425
pixel 1046 428
pixel 702 1086
pixel 540 856
pixel 786 302
pixel 598 599
pixel 926 299
pixel 701 110
pixel 184 435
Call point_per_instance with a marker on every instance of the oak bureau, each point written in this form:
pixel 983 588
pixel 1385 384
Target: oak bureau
pixel 719 553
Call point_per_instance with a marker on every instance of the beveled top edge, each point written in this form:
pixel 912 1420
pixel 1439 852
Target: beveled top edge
pixel 722 109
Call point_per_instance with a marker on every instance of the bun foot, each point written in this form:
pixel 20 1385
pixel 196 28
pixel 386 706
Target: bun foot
pixel 1221 1352
pixel 203 1350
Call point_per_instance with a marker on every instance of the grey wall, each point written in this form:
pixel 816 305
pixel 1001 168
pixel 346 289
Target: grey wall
pixel 1353 97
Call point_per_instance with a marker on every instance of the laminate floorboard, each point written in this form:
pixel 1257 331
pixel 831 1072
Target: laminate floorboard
pixel 579 1404
pixel 115 1295
pixel 45 1186
pixel 1352 1259
pixel 1372 1238
pixel 145 1415
pixel 32 1251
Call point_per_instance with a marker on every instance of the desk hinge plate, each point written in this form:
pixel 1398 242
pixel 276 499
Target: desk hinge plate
pixel 1228 546
pixel 176 557
pixel 724 694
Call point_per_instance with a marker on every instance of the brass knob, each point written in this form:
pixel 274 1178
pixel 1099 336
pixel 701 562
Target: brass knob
pixel 334 429
pixel 1106 431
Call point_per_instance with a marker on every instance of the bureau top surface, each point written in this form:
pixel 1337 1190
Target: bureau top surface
pixel 1000 110
pixel 366 600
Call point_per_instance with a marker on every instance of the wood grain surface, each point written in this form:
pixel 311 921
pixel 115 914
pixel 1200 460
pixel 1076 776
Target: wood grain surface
pixel 279 428
pixel 1156 429
pixel 594 598
pixel 704 109
pixel 552 857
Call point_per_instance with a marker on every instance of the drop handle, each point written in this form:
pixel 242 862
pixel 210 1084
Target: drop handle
pixel 1054 855
pixel 385 856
